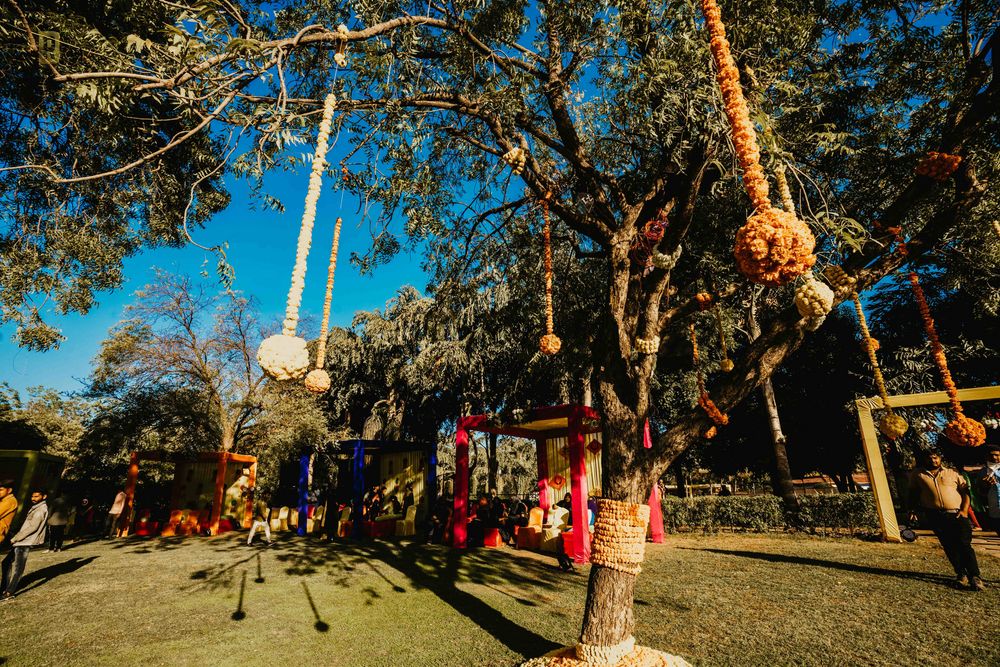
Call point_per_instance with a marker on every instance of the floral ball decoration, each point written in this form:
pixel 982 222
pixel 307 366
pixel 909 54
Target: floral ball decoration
pixel 283 357
pixel 939 166
pixel 965 431
pixel 838 278
pixel 666 262
pixel 704 300
pixel 516 158
pixel 318 381
pixel 813 298
pixel 892 425
pixel 774 247
pixel 557 482
pixel 647 345
pixel 727 365
pixel 550 344
pixel 340 58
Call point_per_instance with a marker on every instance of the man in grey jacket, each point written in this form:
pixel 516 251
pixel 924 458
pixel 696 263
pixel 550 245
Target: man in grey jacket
pixel 32 532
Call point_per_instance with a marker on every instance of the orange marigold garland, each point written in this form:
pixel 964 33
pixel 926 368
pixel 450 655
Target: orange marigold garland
pixel 774 246
pixel 939 166
pixel 961 430
pixel 891 425
pixel 550 343
pixel 718 417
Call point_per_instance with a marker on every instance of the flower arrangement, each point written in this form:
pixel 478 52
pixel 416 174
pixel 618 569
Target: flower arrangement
pixel 841 282
pixel 647 345
pixel 643 247
pixel 813 298
pixel 704 300
pixel 773 247
pixel 718 417
pixel 284 356
pixel 666 262
pixel 961 430
pixel 516 159
pixel 891 425
pixel 550 343
pixel 318 380
pixel 939 166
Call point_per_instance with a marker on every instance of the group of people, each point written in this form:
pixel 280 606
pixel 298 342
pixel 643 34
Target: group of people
pixel 377 502
pixel 941 498
pixel 46 521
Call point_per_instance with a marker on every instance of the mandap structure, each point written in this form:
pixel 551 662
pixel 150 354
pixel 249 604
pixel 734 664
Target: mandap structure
pixel 568 444
pixel 209 494
pixel 392 463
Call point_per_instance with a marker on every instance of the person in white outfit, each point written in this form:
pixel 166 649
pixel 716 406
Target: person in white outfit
pixel 260 520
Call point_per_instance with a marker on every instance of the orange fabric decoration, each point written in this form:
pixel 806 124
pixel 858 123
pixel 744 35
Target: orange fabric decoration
pixel 774 247
pixel 939 166
pixel 550 343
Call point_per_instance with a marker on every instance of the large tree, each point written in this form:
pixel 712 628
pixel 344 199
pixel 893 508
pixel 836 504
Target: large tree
pixel 616 109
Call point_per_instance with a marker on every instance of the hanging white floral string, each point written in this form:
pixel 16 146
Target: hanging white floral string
pixel 318 380
pixel 284 356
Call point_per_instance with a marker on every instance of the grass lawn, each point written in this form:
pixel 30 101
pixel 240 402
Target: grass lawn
pixel 722 600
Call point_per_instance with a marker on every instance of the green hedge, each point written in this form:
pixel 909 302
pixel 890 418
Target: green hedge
pixel 845 512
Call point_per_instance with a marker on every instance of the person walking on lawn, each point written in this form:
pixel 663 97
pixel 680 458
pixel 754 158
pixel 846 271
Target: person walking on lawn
pixel 32 532
pixel 261 512
pixel 8 507
pixel 115 513
pixel 942 496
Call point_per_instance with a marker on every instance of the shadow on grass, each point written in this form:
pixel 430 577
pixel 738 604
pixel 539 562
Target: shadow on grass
pixel 43 576
pixel 239 614
pixel 320 624
pixel 938 579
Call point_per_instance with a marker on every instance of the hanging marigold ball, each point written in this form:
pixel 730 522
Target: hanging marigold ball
pixel 774 247
pixel 550 344
pixel 892 425
pixel 283 357
pixel 965 431
pixel 710 433
pixel 727 365
pixel 318 381
pixel 813 299
pixel 939 166
pixel 705 300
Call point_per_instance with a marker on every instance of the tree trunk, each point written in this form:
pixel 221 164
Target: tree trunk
pixel 608 616
pixel 492 463
pixel 782 479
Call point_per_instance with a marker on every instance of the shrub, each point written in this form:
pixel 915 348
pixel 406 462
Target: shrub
pixel 850 512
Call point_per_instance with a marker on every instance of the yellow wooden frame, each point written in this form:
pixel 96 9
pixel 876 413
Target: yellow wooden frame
pixel 873 455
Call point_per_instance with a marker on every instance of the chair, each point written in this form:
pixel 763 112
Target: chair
pixel 293 518
pixel 345 526
pixel 530 536
pixel 282 520
pixel 314 524
pixel 408 526
pixel 558 517
pixel 492 539
pixel 273 518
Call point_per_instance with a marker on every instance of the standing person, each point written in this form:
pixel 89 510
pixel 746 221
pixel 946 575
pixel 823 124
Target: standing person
pixel 58 517
pixel 942 497
pixel 988 479
pixel 114 514
pixel 567 504
pixel 8 507
pixel 84 525
pixel 261 514
pixel 32 532
pixel 408 497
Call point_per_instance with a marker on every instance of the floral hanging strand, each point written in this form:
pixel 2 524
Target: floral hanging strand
pixel 550 343
pixel 318 380
pixel 773 247
pixel 284 356
pixel 961 430
pixel 718 417
pixel 891 425
pixel 726 365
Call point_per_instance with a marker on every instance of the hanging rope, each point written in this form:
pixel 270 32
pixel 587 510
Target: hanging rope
pixel 285 357
pixel 773 247
pixel 550 343
pixel 318 380
pixel 961 430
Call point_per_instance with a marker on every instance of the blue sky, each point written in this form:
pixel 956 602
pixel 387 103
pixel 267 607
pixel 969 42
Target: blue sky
pixel 261 249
